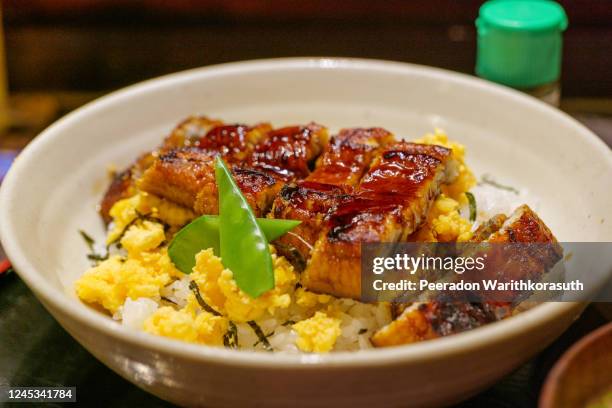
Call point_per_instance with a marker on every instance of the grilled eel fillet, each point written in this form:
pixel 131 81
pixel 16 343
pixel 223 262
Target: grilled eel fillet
pixel 193 131
pixel 391 201
pixel 234 142
pixel 186 175
pixel 423 321
pixel 337 172
pixel 523 248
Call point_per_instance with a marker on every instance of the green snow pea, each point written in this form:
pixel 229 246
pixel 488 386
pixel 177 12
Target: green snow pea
pixel 203 233
pixel 244 247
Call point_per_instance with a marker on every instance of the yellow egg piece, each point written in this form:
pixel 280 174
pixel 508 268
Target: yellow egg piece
pixel 465 179
pixel 187 325
pixel 112 281
pixel 125 211
pixel 219 289
pixel 317 334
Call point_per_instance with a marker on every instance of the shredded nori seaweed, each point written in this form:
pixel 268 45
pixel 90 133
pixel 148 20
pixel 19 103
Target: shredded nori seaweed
pixel 92 255
pixel 361 331
pixel 139 217
pixel 97 257
pixel 117 240
pixel 168 300
pixel 486 179
pixel 288 323
pixel 88 240
pixel 267 335
pixel 230 338
pixel 472 202
pixel 196 291
pixel 263 339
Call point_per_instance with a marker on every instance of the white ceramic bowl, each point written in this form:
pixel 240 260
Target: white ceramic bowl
pixel 53 187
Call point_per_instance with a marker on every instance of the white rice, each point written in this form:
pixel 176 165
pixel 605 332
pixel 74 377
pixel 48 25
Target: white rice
pixel 177 292
pixel 359 321
pixel 491 200
pixel 133 313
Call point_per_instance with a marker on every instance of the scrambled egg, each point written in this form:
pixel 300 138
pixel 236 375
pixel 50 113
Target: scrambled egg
pixel 465 179
pixel 317 334
pixel 147 269
pixel 125 211
pixel 188 324
pixel 219 289
pixel 143 274
pixel 444 223
pixel 311 300
pixel 111 282
pixel 145 237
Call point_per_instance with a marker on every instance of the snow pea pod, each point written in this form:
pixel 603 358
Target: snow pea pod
pixel 243 245
pixel 203 233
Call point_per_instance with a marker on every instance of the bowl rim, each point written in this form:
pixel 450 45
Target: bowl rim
pixel 55 298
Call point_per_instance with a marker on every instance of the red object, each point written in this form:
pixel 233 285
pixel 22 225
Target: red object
pixel 5 264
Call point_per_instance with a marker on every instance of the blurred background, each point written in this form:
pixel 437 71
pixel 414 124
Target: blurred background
pixel 97 45
pixel 62 53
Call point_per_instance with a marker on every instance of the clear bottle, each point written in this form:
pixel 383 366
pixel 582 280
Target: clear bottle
pixel 520 45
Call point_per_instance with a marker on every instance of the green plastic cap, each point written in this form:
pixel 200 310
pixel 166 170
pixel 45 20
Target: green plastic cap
pixel 520 42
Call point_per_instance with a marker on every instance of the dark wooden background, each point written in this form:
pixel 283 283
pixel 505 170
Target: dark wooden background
pixel 93 45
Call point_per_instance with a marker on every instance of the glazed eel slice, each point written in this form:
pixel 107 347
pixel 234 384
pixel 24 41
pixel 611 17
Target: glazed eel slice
pixel 194 131
pixel 522 248
pixel 186 175
pixel 426 321
pixel 391 201
pixel 337 172
pixel 429 320
pixel 122 186
pixel 289 152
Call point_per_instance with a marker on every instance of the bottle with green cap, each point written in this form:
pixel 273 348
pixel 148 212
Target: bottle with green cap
pixel 520 45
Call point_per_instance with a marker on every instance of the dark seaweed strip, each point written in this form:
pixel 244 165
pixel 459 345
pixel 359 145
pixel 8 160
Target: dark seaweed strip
pixel 472 202
pixel 92 255
pixel 267 335
pixel 230 338
pixel 260 335
pixel 139 217
pixel 486 179
pixel 288 323
pixel 120 236
pixel 168 300
pixel 146 217
pixel 196 291
pixel 88 240
pixel 97 257
pixel 361 331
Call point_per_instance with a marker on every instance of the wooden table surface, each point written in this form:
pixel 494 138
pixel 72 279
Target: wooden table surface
pixel 36 351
